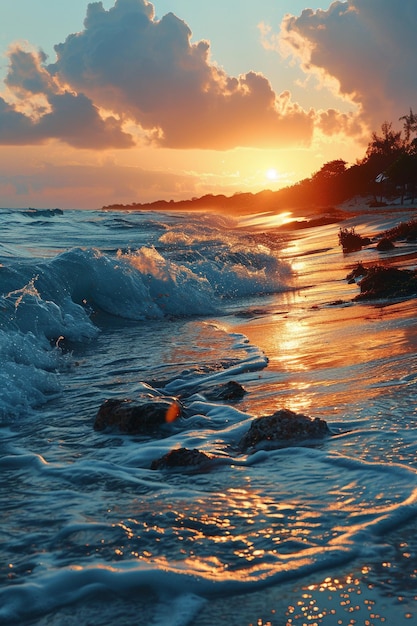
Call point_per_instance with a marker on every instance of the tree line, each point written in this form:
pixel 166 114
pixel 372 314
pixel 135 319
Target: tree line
pixel 388 169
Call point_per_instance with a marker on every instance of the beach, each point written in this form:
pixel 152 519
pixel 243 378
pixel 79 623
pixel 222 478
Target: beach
pixel 329 333
pixel 133 304
pixel 208 338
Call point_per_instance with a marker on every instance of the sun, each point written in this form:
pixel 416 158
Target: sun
pixel 272 174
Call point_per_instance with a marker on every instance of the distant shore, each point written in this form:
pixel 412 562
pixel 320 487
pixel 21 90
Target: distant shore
pixel 274 202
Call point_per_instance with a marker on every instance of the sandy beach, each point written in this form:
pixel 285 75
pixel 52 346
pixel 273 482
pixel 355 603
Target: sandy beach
pixel 317 333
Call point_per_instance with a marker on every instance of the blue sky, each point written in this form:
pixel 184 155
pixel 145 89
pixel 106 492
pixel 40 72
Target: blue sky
pixel 136 104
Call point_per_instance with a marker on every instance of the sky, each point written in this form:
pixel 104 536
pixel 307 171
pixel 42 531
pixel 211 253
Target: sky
pixel 130 101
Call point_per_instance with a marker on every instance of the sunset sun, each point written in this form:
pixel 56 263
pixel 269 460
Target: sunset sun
pixel 272 174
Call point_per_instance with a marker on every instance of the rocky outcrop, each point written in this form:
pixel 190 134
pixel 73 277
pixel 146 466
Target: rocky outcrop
pixel 148 413
pixel 405 231
pixel 148 416
pixel 283 427
pixel 140 417
pixel 229 392
pixel 182 457
pixel 381 281
pixel 385 245
pixel 387 282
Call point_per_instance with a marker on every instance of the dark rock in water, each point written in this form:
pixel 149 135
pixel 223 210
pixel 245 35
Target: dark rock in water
pixel 148 413
pixel 181 457
pixel 250 313
pixel 230 391
pixel 387 282
pixel 137 417
pixel 385 244
pixel 283 426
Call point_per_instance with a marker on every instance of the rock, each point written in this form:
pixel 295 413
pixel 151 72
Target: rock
pixel 283 426
pixel 148 413
pixel 141 417
pixel 387 282
pixel 230 391
pixel 384 245
pixel 181 457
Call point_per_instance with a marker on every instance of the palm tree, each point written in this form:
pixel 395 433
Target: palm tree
pixel 410 125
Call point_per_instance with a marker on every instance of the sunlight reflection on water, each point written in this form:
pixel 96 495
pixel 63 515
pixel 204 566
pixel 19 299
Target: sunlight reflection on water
pixel 268 220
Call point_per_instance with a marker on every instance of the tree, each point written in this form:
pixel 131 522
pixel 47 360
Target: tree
pixel 327 184
pixel 403 174
pixel 386 146
pixel 330 169
pixel 410 125
pixel 383 150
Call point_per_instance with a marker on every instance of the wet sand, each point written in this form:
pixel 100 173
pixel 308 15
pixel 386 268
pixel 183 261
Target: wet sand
pixel 324 353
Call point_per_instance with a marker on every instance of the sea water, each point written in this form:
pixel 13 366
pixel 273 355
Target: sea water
pixel 98 305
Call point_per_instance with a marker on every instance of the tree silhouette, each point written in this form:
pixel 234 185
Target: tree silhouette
pixel 386 146
pixel 330 169
pixel 410 125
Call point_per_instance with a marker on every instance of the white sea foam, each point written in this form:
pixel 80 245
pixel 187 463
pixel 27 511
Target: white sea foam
pixel 124 306
pixel 372 499
pixel 52 302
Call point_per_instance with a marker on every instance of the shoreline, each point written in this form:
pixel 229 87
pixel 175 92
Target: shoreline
pixel 351 364
pixel 373 588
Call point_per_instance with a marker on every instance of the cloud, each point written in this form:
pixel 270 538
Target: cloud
pixel 26 75
pixel 128 70
pixel 41 110
pixel 368 46
pixel 332 122
pixel 42 183
pixel 75 120
pixel 15 128
pixel 148 71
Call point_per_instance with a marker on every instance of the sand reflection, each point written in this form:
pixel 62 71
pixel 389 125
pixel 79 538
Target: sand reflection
pixel 321 356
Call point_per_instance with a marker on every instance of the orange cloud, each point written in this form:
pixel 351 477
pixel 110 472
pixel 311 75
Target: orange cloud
pixel 148 71
pixel 332 122
pixel 129 79
pixel 367 46
pixel 50 176
pixel 40 110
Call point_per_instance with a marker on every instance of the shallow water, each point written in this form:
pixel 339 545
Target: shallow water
pixel 99 305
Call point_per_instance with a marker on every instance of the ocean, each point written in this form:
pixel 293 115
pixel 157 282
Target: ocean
pixel 106 305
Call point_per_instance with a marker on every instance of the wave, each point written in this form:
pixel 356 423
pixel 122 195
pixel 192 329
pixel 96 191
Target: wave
pixel 192 270
pixel 93 530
